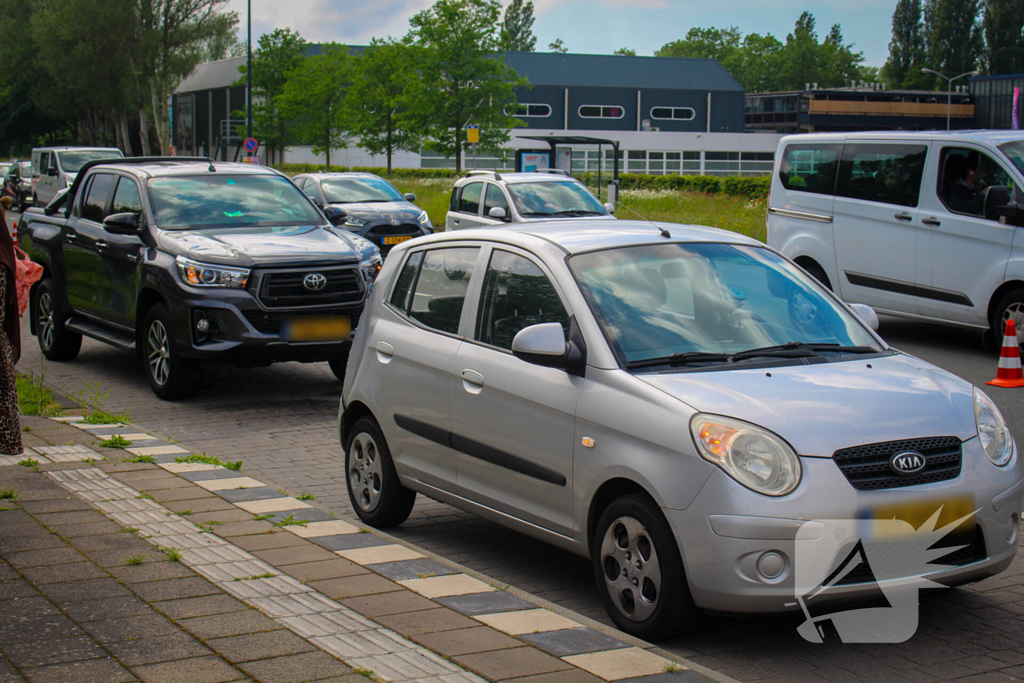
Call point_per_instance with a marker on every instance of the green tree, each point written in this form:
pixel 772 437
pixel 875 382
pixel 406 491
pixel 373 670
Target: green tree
pixel 759 65
pixel 954 37
pixel 722 45
pixel 517 27
pixel 625 52
pixel 276 55
pixel 907 49
pixel 801 55
pixel 459 81
pixel 314 99
pixel 558 46
pixel 374 102
pixel 1003 24
pixel 841 63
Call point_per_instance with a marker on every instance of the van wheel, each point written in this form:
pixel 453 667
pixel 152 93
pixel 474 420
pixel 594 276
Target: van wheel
pixel 639 571
pixel 170 376
pixel 817 272
pixel 374 489
pixel 340 362
pixel 1010 306
pixel 56 342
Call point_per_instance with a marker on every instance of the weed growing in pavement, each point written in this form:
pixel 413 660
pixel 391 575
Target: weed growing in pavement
pixel 203 528
pixel 141 458
pixel 305 496
pixel 673 668
pixel 8 494
pixel 205 459
pixel 363 530
pixel 291 521
pixel 424 575
pixel 214 522
pixel 29 462
pixel 136 559
pixel 34 398
pixel 184 513
pixel 282 492
pixel 365 672
pixel 92 399
pixel 264 575
pixel 173 554
pixel 144 496
pixel 263 517
pixel 129 530
pixel 52 530
pixel 89 461
pixel 116 441
pixel 26 429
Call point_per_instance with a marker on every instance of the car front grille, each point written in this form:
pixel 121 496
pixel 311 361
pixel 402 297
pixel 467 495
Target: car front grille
pixel 283 288
pixel 270 323
pixel 867 467
pixel 894 561
pixel 386 230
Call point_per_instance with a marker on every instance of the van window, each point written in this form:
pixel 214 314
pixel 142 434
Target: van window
pixel 469 200
pixel 810 168
pixel 890 174
pixel 965 175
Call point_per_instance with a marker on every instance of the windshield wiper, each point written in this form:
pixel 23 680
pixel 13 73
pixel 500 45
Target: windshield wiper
pixel 787 350
pixel 576 212
pixel 680 359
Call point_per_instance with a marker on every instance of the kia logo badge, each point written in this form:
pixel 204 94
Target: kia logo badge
pixel 314 282
pixel 910 462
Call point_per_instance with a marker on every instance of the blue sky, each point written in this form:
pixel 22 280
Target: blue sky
pixel 591 26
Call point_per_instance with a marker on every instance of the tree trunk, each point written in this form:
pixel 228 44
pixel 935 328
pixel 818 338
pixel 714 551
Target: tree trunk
pixel 123 126
pixel 458 153
pixel 144 132
pixel 159 117
pixel 117 137
pixel 388 144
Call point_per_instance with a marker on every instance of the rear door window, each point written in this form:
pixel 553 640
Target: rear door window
pixel 810 168
pixel 95 204
pixel 403 287
pixel 469 200
pixel 441 286
pixel 886 173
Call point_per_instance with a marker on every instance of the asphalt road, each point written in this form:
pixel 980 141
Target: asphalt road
pixel 281 422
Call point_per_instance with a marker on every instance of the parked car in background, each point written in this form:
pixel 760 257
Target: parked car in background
pixel 18 184
pixel 925 225
pixel 488 199
pixel 5 167
pixel 369 205
pixel 55 168
pixel 674 402
pixel 188 263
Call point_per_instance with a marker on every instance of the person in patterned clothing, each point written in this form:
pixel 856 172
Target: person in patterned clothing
pixel 10 340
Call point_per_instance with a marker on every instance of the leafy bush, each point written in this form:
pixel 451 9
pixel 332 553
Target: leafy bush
pixel 403 173
pixel 740 186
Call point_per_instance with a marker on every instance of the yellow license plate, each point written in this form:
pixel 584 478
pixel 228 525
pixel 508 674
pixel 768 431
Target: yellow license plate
pixel 395 240
pixel 916 514
pixel 317 329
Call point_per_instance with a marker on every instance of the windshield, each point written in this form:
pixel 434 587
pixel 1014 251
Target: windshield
pixel 1014 151
pixel 227 201
pixel 554 199
pixel 72 162
pixel 657 300
pixel 350 190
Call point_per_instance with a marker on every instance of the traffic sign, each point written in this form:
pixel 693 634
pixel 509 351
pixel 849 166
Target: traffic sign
pixel 473 133
pixel 251 145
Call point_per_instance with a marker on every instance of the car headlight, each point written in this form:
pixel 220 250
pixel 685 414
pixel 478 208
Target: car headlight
pixel 992 430
pixel 205 275
pixel 370 267
pixel 424 220
pixel 355 222
pixel 751 455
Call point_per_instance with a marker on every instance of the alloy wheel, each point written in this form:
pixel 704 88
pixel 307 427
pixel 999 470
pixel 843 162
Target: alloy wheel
pixel 365 475
pixel 1016 312
pixel 46 324
pixel 631 569
pixel 159 353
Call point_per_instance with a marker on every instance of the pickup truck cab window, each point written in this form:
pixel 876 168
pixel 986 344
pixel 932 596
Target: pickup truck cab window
pixel 127 198
pixel 95 204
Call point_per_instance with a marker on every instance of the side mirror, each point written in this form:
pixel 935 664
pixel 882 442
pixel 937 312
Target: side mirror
pixel 335 215
pixel 57 202
pixel 498 213
pixel 121 224
pixel 867 314
pixel 609 207
pixel 409 197
pixel 542 344
pixel 996 198
pixel 52 172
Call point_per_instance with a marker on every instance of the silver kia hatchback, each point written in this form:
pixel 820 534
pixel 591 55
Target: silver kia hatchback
pixel 674 402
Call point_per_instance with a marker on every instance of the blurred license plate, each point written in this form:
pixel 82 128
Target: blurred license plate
pixel 915 514
pixel 320 328
pixel 395 240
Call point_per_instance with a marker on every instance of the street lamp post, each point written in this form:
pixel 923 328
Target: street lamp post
pixel 248 73
pixel 949 88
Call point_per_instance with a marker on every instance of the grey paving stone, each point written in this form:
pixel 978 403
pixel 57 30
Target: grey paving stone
pixel 164 648
pixel 484 603
pixel 514 663
pixel 16 589
pixel 573 641
pixel 467 640
pixel 349 541
pixel 243 495
pixel 250 647
pixel 130 628
pixel 309 666
pixel 687 676
pixel 88 589
pixel 207 475
pixel 230 624
pixel 196 670
pixel 89 671
pixel 19 629
pixel 56 651
pixel 198 607
pixel 175 588
pixel 308 514
pixel 411 569
pixel 74 571
pixel 107 608
pixel 427 621
pixel 154 568
pixel 27 608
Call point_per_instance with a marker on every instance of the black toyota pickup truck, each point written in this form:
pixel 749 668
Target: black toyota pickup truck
pixel 188 261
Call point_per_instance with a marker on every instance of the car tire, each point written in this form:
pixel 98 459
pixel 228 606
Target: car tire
pixel 55 341
pixel 1010 306
pixel 340 362
pixel 652 601
pixel 374 489
pixel 818 273
pixel 171 377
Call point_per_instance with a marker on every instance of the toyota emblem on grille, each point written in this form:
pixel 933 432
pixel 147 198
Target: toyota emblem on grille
pixel 395 221
pixel 908 462
pixel 314 282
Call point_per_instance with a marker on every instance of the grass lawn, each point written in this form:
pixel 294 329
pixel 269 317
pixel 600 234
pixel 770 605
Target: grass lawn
pixel 739 214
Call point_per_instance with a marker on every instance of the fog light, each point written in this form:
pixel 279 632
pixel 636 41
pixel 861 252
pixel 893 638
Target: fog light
pixel 771 565
pixel 203 325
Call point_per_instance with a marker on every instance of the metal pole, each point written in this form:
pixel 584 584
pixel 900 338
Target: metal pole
pixel 949 99
pixel 248 73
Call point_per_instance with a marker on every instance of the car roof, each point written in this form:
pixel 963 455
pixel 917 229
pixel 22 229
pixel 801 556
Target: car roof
pixel 323 175
pixel 527 177
pixel 994 137
pixel 575 236
pixel 164 168
pixel 69 148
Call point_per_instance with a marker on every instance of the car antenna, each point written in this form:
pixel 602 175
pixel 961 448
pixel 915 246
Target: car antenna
pixel 664 231
pixel 212 169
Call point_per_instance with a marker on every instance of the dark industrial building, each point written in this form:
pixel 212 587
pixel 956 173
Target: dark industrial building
pixel 993 99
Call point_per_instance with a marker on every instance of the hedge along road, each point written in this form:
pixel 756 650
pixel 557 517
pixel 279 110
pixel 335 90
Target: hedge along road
pixel 281 422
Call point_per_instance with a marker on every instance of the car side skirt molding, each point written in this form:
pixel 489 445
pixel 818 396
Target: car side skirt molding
pixel 908 288
pixel 480 451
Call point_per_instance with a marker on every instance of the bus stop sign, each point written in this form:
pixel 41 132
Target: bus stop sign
pixel 251 145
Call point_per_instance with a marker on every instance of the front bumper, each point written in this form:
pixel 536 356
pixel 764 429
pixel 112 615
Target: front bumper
pixel 728 529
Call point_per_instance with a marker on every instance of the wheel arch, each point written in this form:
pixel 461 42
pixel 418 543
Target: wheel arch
pixel 997 296
pixel 147 299
pixel 354 410
pixel 808 262
pixel 33 294
pixel 604 496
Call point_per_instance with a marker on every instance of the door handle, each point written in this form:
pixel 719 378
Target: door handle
pixel 70 237
pixel 904 216
pixel 385 352
pixel 101 245
pixel 932 221
pixel 472 381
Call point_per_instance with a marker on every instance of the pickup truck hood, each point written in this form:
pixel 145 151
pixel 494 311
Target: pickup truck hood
pixel 248 247
pixel 403 211
pixel 822 408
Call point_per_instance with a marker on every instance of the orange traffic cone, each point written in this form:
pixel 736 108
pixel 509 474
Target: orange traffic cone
pixel 1009 374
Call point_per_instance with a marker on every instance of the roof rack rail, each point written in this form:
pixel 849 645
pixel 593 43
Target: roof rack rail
pixel 470 174
pixel 556 171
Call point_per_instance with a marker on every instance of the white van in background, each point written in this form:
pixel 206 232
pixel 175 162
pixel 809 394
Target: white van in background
pixel 915 224
pixel 54 168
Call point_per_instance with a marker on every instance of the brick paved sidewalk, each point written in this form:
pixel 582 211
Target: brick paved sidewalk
pixel 265 587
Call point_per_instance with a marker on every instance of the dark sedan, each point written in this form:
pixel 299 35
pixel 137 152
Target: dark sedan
pixel 17 183
pixel 368 206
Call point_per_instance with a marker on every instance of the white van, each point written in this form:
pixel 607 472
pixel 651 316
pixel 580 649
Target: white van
pixel 54 168
pixel 914 224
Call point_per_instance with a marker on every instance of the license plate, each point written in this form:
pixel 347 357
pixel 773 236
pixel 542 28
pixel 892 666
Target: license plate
pixel 915 514
pixel 317 329
pixel 394 240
